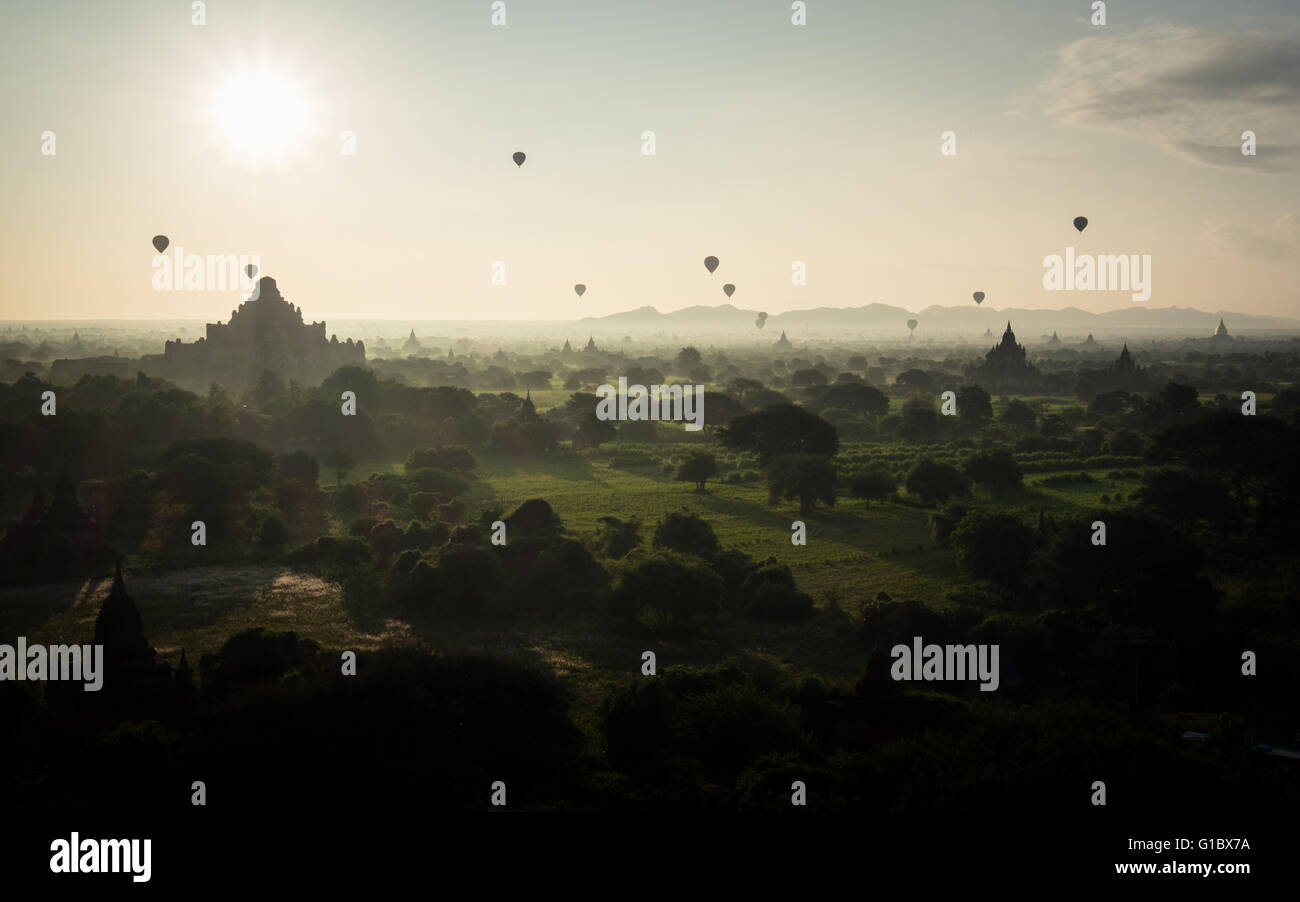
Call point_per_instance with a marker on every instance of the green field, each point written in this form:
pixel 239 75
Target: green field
pixel 854 551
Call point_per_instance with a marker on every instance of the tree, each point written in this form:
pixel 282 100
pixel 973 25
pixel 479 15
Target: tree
pixel 300 467
pixel 699 467
pixel 1108 403
pixel 974 405
pixel 687 534
pixel 863 400
pixel 213 475
pixel 943 522
pixel 808 477
pixel 535 517
pixel 617 537
pixel 439 482
pixel 920 419
pixel 719 409
pixel 688 357
pixel 765 397
pixel 458 460
pixel 1145 574
pixel 1284 403
pixel 1177 400
pixel 385 539
pixel 539 379
pixel 1126 443
pixel 996 547
pixel 1187 498
pixel 875 483
pixel 1019 414
pixel 915 380
pixel 469 578
pixel 594 431
pixel 995 469
pixel 269 387
pixel 642 431
pixel 780 429
pixel 769 593
pixel 1054 425
pixel 807 378
pixel 341 462
pixel 675 588
pixel 742 388
pixel 931 481
pixel 1256 455
pixel 273 533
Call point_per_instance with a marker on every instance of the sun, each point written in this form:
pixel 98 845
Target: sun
pixel 261 115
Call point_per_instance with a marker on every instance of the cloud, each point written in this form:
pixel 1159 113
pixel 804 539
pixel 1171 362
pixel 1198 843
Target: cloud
pixel 1279 242
pixel 1190 92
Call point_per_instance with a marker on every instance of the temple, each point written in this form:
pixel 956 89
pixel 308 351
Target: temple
pixel 1125 366
pixel 1005 366
pixel 265 333
pixel 64 538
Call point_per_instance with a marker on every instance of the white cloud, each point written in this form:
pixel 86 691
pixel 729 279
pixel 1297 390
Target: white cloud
pixel 1187 91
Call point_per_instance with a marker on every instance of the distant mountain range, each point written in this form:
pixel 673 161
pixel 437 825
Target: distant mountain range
pixel 968 320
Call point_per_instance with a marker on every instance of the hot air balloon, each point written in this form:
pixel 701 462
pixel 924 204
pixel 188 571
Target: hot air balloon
pixel 710 263
pixel 911 325
pixel 728 289
pixel 160 243
pixel 1080 222
pixel 250 270
pixel 519 157
pixel 761 321
pixel 978 296
pixel 580 289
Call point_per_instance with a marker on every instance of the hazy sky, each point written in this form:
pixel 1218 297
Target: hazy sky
pixel 774 143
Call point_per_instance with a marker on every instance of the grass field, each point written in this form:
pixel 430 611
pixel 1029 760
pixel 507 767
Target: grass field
pixel 854 551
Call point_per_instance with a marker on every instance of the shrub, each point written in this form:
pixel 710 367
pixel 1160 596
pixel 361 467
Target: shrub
pixel 995 468
pixel 273 532
pixel 876 484
pixel 769 593
pixel 932 481
pixel 687 534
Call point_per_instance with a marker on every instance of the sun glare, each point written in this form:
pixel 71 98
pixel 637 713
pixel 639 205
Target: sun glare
pixel 261 115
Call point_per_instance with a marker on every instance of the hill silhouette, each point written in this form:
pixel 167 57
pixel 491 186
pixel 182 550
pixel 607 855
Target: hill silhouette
pixel 956 320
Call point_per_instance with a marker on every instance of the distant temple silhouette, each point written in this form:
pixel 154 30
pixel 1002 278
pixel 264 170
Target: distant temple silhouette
pixel 1005 366
pixel 1221 335
pixel 1125 366
pixel 412 345
pixel 63 539
pixel 130 662
pixel 783 343
pixel 265 333
pixel 134 680
pixel 1124 374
